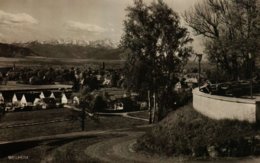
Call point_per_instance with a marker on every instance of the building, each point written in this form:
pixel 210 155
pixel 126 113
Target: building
pixel 64 99
pixel 23 101
pixel 42 95
pixel 2 100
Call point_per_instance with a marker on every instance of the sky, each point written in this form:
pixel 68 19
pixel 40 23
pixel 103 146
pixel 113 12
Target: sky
pixel 45 20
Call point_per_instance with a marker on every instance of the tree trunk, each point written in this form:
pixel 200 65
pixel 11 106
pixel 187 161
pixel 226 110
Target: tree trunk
pixel 154 107
pixel 149 107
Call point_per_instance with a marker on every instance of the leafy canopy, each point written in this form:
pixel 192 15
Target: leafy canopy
pixel 156 42
pixel 231 29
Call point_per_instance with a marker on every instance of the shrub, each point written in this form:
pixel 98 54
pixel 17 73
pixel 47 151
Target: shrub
pixel 99 104
pixel 186 132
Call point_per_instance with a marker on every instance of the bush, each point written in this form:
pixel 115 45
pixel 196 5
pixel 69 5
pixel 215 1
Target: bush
pixel 99 104
pixel 169 101
pixel 186 132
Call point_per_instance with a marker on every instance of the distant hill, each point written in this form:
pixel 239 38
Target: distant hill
pixel 94 50
pixel 75 51
pixel 9 50
pixel 62 50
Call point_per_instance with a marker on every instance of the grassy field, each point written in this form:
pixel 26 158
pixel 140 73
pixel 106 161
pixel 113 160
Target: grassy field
pixel 104 123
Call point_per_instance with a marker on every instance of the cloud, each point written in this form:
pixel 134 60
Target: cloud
pixel 78 26
pixel 10 19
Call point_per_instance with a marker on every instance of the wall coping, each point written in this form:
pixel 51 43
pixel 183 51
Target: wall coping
pixel 224 98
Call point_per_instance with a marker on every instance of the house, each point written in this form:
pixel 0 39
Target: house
pixel 14 99
pixel 118 106
pixel 64 99
pixel 42 95
pixel 36 101
pixel 23 101
pixel 2 100
pixel 107 81
pixel 52 95
pixel 75 100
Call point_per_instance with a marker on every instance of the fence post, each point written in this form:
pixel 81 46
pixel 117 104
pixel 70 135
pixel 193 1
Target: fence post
pixel 83 117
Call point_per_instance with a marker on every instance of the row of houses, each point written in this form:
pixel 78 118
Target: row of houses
pixel 41 100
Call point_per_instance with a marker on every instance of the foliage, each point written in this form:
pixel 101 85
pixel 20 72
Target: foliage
pixel 171 100
pixel 231 29
pixel 186 132
pixel 157 48
pixel 99 104
pixel 156 41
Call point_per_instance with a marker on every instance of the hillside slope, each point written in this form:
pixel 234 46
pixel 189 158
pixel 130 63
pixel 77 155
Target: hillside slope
pixel 9 50
pixel 75 51
pixel 187 132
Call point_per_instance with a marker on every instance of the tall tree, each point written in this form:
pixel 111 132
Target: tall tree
pixel 231 29
pixel 157 44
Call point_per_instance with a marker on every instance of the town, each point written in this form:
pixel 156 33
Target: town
pixel 130 81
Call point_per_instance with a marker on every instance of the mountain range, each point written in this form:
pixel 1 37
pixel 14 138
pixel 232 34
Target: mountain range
pixel 100 49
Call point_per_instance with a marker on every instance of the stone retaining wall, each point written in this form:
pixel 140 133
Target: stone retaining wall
pixel 220 107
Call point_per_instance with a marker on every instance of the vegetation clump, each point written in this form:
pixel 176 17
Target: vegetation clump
pixel 186 132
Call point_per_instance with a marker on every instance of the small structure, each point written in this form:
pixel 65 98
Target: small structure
pixel 64 99
pixel 107 81
pixel 52 95
pixel 2 100
pixel 118 106
pixel 23 101
pixel 14 99
pixel 42 95
pixel 75 100
pixel 36 101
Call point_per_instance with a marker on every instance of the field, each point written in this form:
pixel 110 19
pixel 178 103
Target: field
pixel 104 123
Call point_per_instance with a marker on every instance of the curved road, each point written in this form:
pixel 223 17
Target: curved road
pixel 121 150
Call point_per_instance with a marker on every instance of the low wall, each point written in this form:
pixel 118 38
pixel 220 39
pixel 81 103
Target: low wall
pixel 219 107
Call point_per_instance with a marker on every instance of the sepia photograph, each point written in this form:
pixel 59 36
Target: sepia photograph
pixel 130 81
